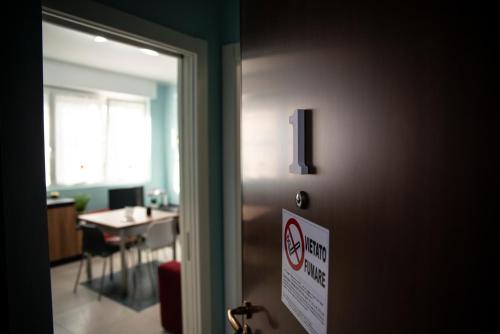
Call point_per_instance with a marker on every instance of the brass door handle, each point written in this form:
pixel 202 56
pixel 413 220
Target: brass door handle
pixel 246 310
pixel 235 324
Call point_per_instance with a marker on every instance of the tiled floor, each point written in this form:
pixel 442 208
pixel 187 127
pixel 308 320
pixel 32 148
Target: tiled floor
pixel 83 313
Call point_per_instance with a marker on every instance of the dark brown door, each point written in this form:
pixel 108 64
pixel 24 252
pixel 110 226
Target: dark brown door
pixel 394 136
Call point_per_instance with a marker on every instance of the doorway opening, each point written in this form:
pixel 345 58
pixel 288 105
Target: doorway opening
pixel 111 141
pixel 184 180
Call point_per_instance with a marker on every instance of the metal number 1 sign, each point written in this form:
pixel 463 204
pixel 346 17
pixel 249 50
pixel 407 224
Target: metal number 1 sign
pixel 298 165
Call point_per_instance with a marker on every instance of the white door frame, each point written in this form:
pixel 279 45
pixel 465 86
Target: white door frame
pixel 193 137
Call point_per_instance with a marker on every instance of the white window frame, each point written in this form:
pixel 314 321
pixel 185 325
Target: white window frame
pixel 51 92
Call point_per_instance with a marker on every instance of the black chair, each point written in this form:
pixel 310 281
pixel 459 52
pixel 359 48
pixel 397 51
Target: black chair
pixel 94 244
pixel 119 198
pixel 122 197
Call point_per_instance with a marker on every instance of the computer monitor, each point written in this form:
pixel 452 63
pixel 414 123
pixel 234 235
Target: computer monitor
pixel 122 197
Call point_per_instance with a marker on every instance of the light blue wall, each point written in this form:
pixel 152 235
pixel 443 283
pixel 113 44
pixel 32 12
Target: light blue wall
pixel 171 145
pixel 230 28
pixel 164 122
pixel 163 119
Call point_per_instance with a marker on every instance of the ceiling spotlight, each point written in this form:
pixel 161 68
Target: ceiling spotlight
pixel 100 39
pixel 149 52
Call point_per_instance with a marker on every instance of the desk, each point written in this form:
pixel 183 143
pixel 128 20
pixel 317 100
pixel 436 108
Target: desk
pixel 114 222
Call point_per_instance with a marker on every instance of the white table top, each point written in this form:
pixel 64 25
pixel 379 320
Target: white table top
pixel 115 219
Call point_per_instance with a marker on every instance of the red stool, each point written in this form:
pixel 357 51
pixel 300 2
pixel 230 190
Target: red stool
pixel 169 281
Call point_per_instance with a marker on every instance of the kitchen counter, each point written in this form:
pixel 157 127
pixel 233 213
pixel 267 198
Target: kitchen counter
pixel 65 241
pixel 55 202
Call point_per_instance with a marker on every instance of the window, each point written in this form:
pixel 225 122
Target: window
pixel 128 141
pixel 96 140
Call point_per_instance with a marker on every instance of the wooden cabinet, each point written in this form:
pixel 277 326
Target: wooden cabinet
pixel 64 240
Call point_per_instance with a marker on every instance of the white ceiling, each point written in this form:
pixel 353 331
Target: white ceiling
pixel 79 48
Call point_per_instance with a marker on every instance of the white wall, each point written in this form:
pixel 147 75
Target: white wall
pixel 61 74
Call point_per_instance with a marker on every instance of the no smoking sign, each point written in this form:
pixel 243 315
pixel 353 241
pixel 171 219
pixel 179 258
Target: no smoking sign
pixel 294 243
pixel 304 276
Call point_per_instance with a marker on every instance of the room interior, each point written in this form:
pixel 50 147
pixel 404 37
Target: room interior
pixel 111 152
pixel 421 265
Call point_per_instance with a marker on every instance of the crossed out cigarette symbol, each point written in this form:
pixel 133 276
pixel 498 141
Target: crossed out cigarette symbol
pixel 294 248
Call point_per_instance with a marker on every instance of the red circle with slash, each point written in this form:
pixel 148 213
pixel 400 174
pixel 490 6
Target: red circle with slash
pixel 294 249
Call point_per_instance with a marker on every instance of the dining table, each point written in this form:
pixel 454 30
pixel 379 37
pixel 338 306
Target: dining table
pixel 126 223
